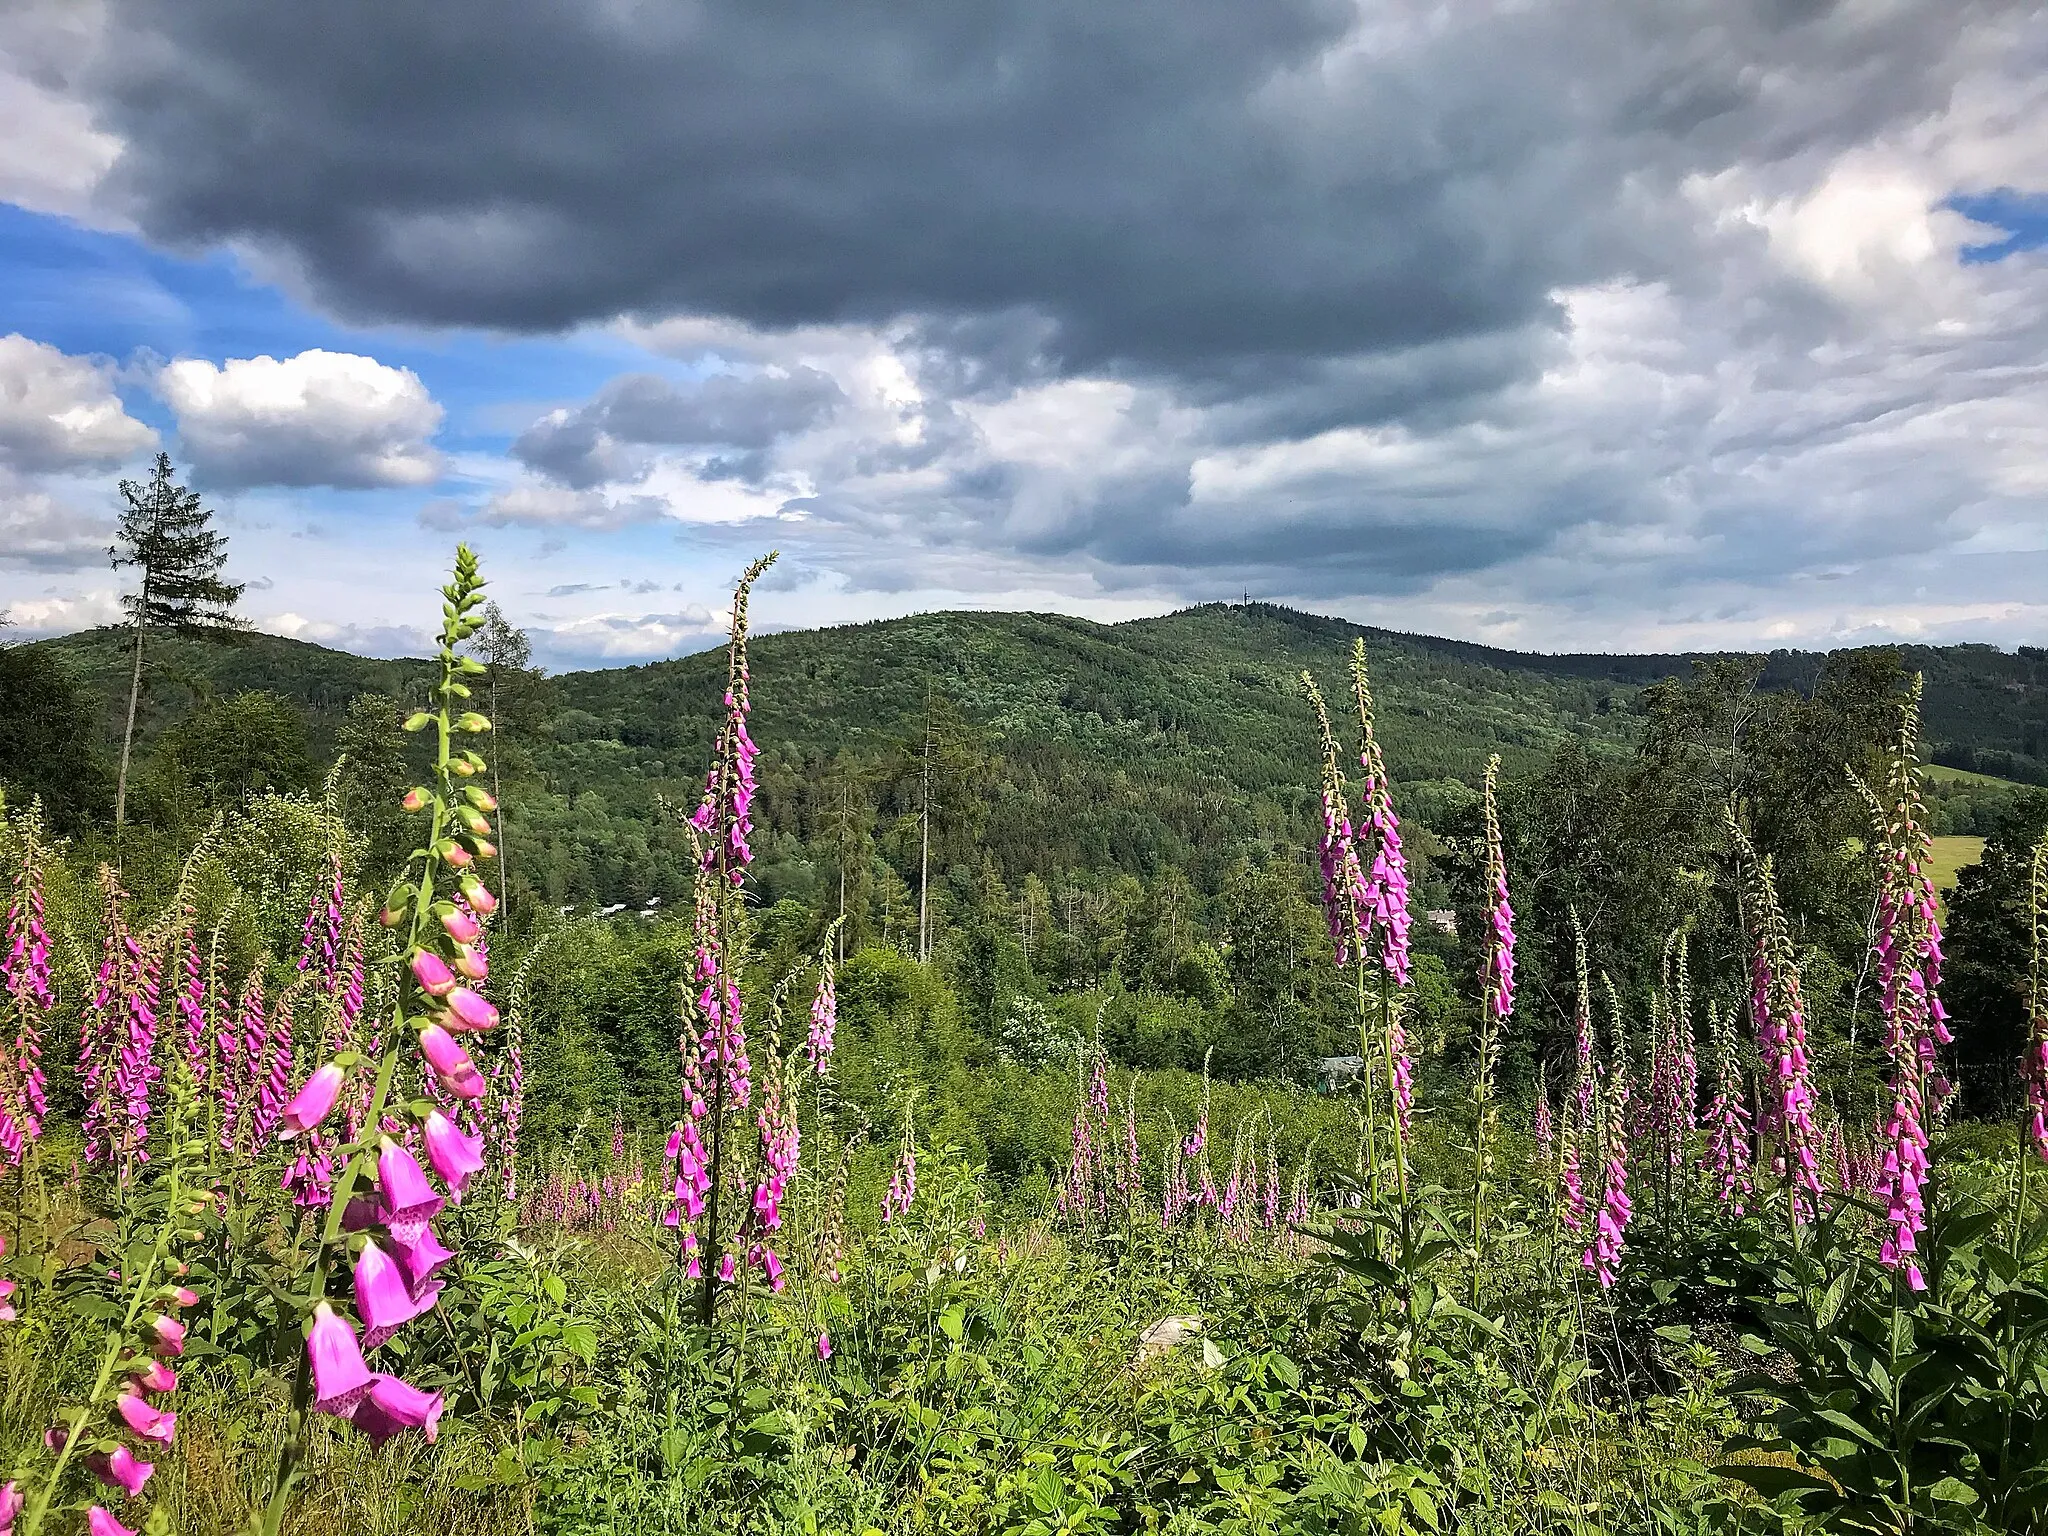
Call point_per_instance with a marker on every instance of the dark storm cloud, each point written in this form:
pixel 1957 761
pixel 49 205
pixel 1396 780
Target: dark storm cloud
pixel 594 443
pixel 1187 185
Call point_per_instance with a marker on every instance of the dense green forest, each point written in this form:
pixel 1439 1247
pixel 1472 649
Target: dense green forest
pixel 1057 745
pixel 1130 807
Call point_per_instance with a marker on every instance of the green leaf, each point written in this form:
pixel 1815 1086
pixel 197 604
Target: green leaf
pixel 1770 1479
pixel 1953 1490
pixel 1834 1297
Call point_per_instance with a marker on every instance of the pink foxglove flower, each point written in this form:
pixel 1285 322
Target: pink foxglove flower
pixel 119 1468
pixel 313 1103
pixel 508 1089
pixel 1380 852
pixel 1603 1256
pixel 1497 976
pixel 902 1191
pixel 100 1523
pixel 455 1156
pixel 451 1064
pixel 1728 1152
pixel 384 1299
pixel 391 1407
pixel 150 1423
pixel 421 1255
pixel 1779 1014
pixel 468 1013
pixel 432 973
pixel 2034 1065
pixel 824 1009
pixel 339 1376
pixel 26 994
pixel 168 1336
pixel 1909 957
pixel 409 1201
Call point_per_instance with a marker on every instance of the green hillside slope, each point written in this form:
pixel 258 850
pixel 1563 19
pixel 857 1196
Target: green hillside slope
pixel 1060 743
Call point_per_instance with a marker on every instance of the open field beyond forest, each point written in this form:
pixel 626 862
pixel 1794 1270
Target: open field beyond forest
pixel 1624 1147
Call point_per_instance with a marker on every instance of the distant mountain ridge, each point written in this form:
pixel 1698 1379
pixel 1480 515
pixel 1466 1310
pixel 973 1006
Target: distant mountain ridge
pixel 1986 709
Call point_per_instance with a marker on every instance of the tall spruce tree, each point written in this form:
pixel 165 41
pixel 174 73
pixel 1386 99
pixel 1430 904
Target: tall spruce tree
pixel 508 652
pixel 168 534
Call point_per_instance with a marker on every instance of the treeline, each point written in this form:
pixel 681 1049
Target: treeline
pixel 1046 809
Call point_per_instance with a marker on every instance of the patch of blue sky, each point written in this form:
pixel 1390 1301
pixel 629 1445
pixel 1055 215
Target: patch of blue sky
pixel 93 291
pixel 2022 216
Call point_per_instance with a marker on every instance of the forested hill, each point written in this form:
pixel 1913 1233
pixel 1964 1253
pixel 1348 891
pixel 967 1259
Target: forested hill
pixel 1059 743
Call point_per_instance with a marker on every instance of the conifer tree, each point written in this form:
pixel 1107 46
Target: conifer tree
pixel 168 534
pixel 508 652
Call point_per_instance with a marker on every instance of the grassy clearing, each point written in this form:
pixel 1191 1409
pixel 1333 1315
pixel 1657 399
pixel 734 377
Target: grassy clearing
pixel 1951 856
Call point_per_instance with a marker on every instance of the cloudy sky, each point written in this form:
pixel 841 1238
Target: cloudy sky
pixel 1552 323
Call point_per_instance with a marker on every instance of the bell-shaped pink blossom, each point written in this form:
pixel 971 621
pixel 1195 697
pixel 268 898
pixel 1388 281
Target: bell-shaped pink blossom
pixel 120 1469
pixel 454 1156
pixel 99 1523
pixel 409 1201
pixel 460 927
pixel 451 1063
pixel 339 1376
pixel 393 1406
pixel 169 1336
pixel 11 1504
pixel 432 973
pixel 153 1376
pixel 479 897
pixel 313 1103
pixel 421 1256
pixel 150 1423
pixel 471 964
pixel 468 1012
pixel 824 1346
pixel 383 1298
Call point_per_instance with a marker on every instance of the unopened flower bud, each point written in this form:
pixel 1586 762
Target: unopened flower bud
pixel 432 973
pixel 468 1011
pixel 415 799
pixel 419 722
pixel 479 896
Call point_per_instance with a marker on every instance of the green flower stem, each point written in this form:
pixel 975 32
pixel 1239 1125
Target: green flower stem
pixel 291 1459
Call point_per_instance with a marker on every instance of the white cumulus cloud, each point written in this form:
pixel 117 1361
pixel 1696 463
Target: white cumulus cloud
pixel 40 530
pixel 60 412
pixel 320 418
